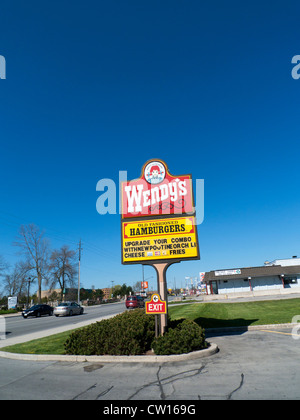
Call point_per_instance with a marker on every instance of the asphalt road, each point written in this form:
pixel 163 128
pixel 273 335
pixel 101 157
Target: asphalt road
pixel 253 365
pixel 250 365
pixel 18 326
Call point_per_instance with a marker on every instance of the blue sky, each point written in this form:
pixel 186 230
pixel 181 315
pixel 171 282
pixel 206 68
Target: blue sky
pixel 97 87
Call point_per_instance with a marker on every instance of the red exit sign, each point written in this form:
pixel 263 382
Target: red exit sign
pixel 156 306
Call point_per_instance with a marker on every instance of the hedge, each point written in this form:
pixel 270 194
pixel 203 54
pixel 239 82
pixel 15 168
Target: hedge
pixel 183 337
pixel 132 333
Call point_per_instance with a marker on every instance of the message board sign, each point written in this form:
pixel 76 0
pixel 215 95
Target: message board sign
pixel 159 239
pixel 157 192
pixel 12 302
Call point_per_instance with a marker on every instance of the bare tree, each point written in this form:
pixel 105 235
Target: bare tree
pixel 15 282
pixel 63 268
pixel 3 265
pixel 35 247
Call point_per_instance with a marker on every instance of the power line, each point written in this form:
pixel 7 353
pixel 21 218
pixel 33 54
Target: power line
pixel 7 219
pixel 57 236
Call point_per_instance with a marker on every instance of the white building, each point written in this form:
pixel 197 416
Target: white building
pixel 279 276
pixel 284 262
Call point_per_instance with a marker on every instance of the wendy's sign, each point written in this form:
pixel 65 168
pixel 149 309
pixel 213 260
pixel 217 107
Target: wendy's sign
pixel 158 226
pixel 157 192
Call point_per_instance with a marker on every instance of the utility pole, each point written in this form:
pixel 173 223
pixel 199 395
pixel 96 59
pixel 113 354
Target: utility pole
pixel 142 288
pixel 112 288
pixel 79 258
pixel 28 281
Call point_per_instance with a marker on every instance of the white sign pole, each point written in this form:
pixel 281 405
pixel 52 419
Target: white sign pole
pixel 162 291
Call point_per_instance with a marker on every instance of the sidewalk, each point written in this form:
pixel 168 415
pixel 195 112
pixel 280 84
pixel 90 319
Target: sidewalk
pixel 11 315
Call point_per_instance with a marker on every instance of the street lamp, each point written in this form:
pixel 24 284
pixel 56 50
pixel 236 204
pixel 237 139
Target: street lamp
pixel 143 283
pixel 143 280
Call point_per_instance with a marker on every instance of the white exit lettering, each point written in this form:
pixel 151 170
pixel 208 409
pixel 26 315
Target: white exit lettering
pixel 155 307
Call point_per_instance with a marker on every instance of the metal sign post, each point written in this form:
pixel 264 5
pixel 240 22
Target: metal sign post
pixel 162 290
pixel 156 326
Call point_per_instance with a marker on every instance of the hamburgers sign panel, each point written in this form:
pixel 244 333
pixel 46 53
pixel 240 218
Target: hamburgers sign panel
pixel 159 239
pixel 157 192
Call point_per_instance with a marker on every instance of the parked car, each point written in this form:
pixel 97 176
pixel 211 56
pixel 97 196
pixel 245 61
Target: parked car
pixel 68 308
pixel 133 302
pixel 37 310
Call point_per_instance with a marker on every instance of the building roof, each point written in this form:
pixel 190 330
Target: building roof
pixel 244 273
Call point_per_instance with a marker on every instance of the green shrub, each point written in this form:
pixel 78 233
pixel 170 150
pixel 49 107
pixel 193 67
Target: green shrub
pixel 8 311
pixel 131 332
pixel 182 336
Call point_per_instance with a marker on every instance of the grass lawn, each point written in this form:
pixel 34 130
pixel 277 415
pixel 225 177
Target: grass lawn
pixel 54 344
pixel 212 315
pixel 208 315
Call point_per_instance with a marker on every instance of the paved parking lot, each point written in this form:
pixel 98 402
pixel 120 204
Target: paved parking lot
pixel 250 365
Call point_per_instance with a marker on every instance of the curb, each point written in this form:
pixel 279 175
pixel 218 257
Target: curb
pixel 11 315
pixel 213 348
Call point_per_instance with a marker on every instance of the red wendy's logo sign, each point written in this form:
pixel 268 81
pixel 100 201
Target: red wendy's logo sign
pixel 157 192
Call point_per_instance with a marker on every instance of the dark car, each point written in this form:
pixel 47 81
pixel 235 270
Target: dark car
pixel 38 310
pixel 141 301
pixel 133 302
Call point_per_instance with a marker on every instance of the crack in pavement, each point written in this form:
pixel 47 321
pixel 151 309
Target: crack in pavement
pixel 104 392
pixel 79 395
pixel 161 382
pixel 239 387
pixel 162 394
pixel 26 375
pixel 169 380
pixel 93 387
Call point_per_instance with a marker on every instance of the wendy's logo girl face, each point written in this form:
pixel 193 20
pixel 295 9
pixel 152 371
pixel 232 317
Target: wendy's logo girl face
pixel 155 173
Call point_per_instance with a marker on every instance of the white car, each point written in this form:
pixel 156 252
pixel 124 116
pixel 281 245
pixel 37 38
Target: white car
pixel 68 308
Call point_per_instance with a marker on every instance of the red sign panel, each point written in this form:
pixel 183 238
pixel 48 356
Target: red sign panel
pixel 157 192
pixel 156 306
